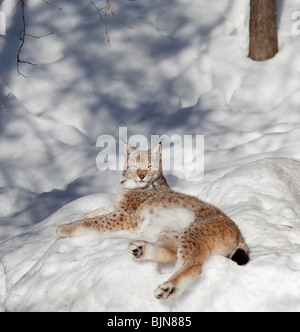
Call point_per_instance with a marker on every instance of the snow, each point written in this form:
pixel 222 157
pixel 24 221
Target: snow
pixel 182 70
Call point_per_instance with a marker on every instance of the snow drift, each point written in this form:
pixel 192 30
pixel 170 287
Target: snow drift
pixel 95 273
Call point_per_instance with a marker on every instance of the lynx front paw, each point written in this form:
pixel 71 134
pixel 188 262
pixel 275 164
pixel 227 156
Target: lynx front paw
pixel 165 291
pixel 64 230
pixel 136 249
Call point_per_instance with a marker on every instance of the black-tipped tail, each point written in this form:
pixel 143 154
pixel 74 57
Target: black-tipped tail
pixel 240 257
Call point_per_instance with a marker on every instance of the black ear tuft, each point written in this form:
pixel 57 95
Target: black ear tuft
pixel 128 149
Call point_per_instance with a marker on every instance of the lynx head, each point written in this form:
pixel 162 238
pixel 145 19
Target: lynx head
pixel 143 169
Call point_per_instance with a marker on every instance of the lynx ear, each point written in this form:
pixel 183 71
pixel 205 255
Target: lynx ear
pixel 128 149
pixel 156 149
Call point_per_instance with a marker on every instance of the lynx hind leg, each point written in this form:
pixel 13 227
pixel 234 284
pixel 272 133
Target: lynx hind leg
pixel 149 251
pixel 179 281
pixel 169 239
pixel 218 235
pixel 192 252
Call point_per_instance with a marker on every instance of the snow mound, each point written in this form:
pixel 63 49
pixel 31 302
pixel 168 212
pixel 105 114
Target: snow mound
pixel 95 273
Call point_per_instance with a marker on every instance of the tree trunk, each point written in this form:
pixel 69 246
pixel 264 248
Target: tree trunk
pixel 263 29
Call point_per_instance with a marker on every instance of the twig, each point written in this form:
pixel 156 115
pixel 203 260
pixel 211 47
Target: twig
pixel 98 10
pixel 50 4
pixel 2 101
pixel 105 20
pixel 112 10
pixel 38 37
pixel 108 9
pixel 24 34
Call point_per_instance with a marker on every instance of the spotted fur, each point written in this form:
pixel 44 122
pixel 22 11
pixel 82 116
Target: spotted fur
pixel 186 230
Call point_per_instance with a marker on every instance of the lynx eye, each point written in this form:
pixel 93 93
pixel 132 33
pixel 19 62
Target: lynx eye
pixel 133 167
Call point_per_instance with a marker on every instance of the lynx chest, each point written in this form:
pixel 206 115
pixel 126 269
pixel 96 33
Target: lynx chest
pixel 158 219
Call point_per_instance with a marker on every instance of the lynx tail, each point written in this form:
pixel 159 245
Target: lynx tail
pixel 240 257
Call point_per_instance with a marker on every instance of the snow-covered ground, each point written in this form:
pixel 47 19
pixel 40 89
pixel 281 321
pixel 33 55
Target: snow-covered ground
pixel 182 70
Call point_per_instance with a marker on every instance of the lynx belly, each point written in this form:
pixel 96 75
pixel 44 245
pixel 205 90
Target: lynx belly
pixel 156 221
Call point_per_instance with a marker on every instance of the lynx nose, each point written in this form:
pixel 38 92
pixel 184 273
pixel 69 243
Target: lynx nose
pixel 141 174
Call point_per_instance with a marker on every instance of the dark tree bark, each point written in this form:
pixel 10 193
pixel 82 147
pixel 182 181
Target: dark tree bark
pixel 263 29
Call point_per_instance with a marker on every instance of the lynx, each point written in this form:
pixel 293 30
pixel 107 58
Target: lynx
pixel 186 230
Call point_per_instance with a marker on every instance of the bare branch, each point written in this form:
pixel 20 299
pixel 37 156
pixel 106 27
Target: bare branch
pixel 24 34
pixel 50 4
pixel 108 9
pixel 2 108
pixel 103 14
pixel 38 37
pixel 98 9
